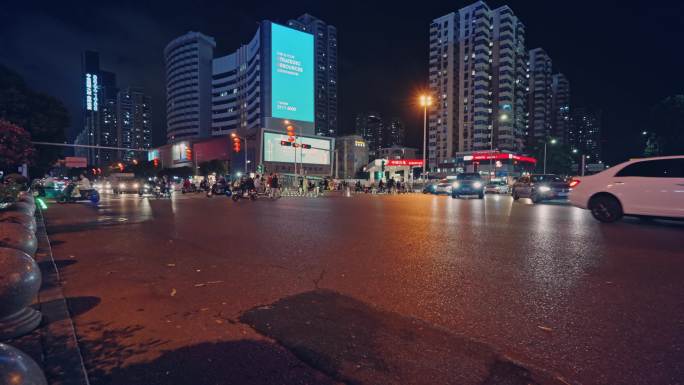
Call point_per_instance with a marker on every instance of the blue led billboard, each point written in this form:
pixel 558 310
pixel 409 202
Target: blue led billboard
pixel 292 74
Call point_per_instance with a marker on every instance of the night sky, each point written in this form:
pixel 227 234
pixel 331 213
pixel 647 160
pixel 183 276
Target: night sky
pixel 620 57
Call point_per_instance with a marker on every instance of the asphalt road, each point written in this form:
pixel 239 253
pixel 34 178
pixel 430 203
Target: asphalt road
pixel 205 291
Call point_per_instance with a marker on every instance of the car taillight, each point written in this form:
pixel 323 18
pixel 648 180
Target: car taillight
pixel 574 182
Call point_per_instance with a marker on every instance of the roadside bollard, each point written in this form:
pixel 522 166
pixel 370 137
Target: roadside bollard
pixel 19 217
pixel 19 283
pixel 17 236
pixel 28 208
pixel 16 368
pixel 347 192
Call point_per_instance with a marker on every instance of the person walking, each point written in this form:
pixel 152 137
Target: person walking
pixel 275 187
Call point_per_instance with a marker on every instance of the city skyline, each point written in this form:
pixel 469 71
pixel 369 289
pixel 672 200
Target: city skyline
pixel 596 85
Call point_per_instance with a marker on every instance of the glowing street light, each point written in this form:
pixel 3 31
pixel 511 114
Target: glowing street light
pixel 425 102
pixel 552 141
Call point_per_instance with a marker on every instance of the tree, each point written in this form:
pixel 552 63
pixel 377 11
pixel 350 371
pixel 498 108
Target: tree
pixel 667 127
pixel 43 116
pixel 558 158
pixel 15 147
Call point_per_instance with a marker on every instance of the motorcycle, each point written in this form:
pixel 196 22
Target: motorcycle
pixel 158 193
pixel 190 189
pixel 67 195
pixel 250 194
pixel 216 189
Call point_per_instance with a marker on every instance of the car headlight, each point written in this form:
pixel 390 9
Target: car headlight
pixel 544 188
pixel 122 185
pixel 147 186
pixel 455 185
pixel 477 184
pixel 136 185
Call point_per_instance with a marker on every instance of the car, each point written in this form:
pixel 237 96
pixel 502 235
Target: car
pixel 429 188
pixel 131 186
pixel 497 187
pixel 443 187
pixel 647 187
pixel 540 187
pixel 469 183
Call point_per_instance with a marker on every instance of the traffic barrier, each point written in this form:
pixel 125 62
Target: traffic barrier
pixel 17 236
pixel 16 368
pixel 19 217
pixel 20 280
pixel 28 208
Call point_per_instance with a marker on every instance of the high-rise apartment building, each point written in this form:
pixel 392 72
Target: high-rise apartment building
pixel 560 108
pixel 585 134
pixel 394 133
pixel 509 81
pixel 255 92
pixel 325 52
pixel 478 76
pixel 540 97
pixel 372 128
pixel 235 89
pixel 188 86
pixel 133 121
pixel 99 110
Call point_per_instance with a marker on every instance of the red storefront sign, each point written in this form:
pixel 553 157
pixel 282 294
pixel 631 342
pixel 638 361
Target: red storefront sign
pixel 478 156
pixel 404 162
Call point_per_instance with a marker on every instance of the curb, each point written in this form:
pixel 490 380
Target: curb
pixel 63 361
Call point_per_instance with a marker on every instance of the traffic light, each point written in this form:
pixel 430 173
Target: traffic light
pixel 188 153
pixel 155 162
pixel 236 144
pixel 382 166
pixel 285 143
pixel 290 133
pixel 307 146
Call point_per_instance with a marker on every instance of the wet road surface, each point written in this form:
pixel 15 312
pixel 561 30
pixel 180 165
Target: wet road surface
pixel 158 284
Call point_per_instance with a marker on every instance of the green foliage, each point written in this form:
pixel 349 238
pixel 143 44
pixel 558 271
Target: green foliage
pixel 43 116
pixel 559 158
pixel 666 132
pixel 10 187
pixel 15 146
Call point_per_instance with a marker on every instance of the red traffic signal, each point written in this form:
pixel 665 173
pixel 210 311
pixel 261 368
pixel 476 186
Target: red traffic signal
pixel 155 162
pixel 188 153
pixel 306 145
pixel 285 143
pixel 236 144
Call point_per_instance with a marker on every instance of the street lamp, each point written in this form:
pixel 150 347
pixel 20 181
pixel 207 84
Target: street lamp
pixel 552 141
pixel 425 102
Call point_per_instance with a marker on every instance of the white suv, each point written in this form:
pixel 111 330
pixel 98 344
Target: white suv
pixel 651 187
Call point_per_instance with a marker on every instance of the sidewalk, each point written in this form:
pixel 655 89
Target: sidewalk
pixel 53 345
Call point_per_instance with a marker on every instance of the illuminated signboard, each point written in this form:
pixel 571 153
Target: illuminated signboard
pixel 152 155
pixel 478 156
pixel 179 152
pixel 274 151
pixel 91 92
pixel 292 74
pixel 405 162
pixel 359 143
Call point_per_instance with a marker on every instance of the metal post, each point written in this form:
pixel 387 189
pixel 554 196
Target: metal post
pixel 246 154
pixel 544 157
pixel 337 164
pixel 582 165
pixel 424 141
